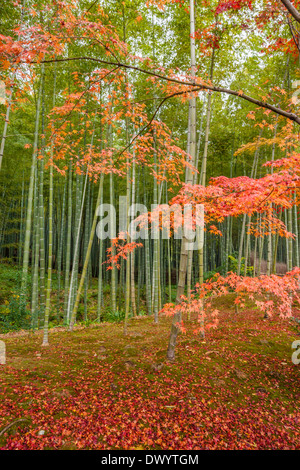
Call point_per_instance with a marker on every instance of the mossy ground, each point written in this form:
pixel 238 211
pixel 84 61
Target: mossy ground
pixel 95 388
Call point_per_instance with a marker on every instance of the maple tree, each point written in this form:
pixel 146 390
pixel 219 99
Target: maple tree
pixel 112 116
pixel 167 105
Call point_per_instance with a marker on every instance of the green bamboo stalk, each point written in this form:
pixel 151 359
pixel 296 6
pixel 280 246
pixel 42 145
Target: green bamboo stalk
pixel 87 257
pixel 169 257
pixel 35 278
pixel 147 258
pixel 79 208
pixel 73 283
pixel 49 278
pixel 86 238
pixel 61 241
pixel 290 240
pixel 100 273
pixel 6 122
pixel 184 251
pixel 255 257
pixel 30 191
pixel 8 109
pixel 68 247
pixel 50 242
pixel 132 254
pixel 21 222
pixel 41 207
pixel 127 279
pixel 296 244
pixel 261 247
pixel 155 291
pixel 204 167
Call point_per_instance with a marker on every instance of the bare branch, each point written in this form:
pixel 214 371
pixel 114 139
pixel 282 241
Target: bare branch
pixel 195 86
pixel 291 9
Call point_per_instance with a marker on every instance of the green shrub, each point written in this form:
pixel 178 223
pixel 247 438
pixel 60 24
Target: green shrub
pixel 14 314
pixel 114 316
pixel 233 265
pixel 209 274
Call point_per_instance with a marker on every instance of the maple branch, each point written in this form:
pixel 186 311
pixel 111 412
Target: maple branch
pixel 151 119
pixel 262 104
pixel 118 64
pixel 292 30
pixel 267 196
pixel 91 6
pixel 81 96
pixel 20 420
pixel 291 9
pixel 196 86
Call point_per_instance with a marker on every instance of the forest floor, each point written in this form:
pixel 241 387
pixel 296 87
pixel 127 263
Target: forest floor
pixel 95 388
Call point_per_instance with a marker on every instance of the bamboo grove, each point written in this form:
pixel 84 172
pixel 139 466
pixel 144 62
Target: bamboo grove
pixel 134 104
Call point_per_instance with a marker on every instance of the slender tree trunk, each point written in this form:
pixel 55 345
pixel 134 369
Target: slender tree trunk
pixel 6 122
pixel 132 254
pixel 189 178
pixel 73 283
pixel 245 216
pixel 35 261
pixel 41 209
pixel 8 109
pixel 297 262
pixel 147 258
pixel 50 246
pixel 87 256
pixel 155 291
pixel 30 192
pixel 60 243
pixel 68 248
pixel 100 273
